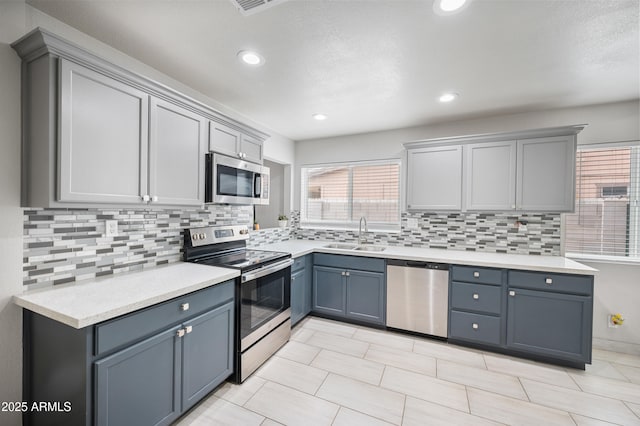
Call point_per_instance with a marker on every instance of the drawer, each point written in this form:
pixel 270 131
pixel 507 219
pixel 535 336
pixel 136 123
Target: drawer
pixel 562 283
pixel 473 274
pixel 476 297
pixel 299 263
pixel 475 327
pixel 349 262
pixel 137 325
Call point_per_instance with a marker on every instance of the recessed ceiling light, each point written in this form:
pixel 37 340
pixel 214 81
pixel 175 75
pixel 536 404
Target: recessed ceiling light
pixel 319 116
pixel 448 97
pixel 250 58
pixel 448 7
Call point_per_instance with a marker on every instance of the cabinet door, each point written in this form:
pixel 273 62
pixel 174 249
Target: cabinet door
pixel 329 291
pixel 365 296
pixel 176 155
pixel 298 294
pixel 207 353
pixel 550 324
pixel 546 174
pixel 490 176
pixel 140 385
pixel 223 139
pixel 103 138
pixel 251 148
pixel 434 178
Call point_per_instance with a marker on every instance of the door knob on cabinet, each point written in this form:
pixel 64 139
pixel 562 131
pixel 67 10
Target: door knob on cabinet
pixel 476 274
pixel 512 293
pixel 180 333
pixel 475 326
pixel 184 307
pixel 476 296
pixel 188 329
pixel 548 281
pixel 154 199
pixel 146 198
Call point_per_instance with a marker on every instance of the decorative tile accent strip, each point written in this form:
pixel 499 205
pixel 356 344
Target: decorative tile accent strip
pixel 66 245
pixel 487 232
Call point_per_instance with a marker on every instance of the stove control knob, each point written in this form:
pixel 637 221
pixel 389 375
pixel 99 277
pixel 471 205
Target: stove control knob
pixel 244 231
pixel 195 237
pixel 203 236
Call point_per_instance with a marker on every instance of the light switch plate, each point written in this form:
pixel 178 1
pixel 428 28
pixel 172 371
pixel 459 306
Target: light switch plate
pixel 412 223
pixel 111 228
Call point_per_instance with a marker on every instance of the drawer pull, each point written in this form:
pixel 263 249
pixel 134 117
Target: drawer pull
pixel 184 307
pixel 475 325
pixel 188 329
pixel 548 281
pixel 476 274
pixel 347 273
pixel 180 332
pixel 512 293
pixel 476 296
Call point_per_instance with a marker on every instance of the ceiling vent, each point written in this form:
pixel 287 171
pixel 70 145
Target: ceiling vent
pixel 249 7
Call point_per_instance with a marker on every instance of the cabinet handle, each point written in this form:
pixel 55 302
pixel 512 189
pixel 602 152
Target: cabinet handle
pixel 476 296
pixel 512 293
pixel 189 329
pixel 475 326
pixel 180 333
pixel 476 274
pixel 184 307
pixel 347 273
pixel 548 281
pixel 146 198
pixel 154 199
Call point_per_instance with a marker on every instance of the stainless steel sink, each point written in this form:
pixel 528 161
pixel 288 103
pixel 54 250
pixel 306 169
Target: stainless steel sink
pixel 342 246
pixel 369 247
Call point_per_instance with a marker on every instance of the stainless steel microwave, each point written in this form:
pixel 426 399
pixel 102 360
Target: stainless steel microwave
pixel 233 181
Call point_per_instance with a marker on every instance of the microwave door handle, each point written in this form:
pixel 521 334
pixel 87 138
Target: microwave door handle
pixel 257 185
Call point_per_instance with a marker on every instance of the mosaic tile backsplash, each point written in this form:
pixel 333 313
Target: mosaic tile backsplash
pixel 488 232
pixel 67 245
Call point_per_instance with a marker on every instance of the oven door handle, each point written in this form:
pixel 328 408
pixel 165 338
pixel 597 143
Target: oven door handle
pixel 269 269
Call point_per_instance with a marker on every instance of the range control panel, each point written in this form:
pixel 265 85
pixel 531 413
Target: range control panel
pixel 218 234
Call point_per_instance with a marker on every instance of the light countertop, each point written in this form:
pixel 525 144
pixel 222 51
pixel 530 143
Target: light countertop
pixel 86 303
pixel 556 264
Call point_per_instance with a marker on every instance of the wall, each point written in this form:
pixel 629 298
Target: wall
pixel 12 17
pixel 267 216
pixel 616 285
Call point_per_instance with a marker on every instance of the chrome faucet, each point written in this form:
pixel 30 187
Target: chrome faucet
pixel 362 240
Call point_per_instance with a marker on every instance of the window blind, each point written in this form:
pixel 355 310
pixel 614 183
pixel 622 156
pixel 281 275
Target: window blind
pixel 606 219
pixel 338 195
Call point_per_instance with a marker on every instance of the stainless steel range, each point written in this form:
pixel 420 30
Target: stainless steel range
pixel 263 291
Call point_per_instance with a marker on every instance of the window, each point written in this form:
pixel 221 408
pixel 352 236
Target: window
pixel 338 195
pixel 606 222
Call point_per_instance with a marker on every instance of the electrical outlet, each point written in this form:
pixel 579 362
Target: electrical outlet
pixel 111 227
pixel 412 223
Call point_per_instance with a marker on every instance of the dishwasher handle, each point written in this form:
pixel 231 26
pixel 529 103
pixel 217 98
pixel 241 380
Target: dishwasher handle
pixel 418 264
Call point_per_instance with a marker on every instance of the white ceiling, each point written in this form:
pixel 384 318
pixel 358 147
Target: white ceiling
pixel 377 64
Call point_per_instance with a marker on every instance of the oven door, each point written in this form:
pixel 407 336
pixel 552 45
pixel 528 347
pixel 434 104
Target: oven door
pixel 265 301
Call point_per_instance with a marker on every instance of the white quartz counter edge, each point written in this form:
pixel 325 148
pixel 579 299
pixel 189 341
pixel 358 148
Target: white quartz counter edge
pixel 86 303
pixel 556 264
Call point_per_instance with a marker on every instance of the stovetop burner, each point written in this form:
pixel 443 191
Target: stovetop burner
pixel 225 246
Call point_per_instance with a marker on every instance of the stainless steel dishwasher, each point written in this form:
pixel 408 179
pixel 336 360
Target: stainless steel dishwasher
pixel 418 296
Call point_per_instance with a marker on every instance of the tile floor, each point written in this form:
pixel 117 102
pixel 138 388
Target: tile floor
pixel 333 373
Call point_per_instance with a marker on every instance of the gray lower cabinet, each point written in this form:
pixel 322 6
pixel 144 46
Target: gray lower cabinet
pixel 301 271
pixel 540 315
pixel 356 292
pixel 144 368
pixel 550 315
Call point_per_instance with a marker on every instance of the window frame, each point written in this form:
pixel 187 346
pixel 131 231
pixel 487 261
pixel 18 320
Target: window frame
pixel 634 206
pixel 372 226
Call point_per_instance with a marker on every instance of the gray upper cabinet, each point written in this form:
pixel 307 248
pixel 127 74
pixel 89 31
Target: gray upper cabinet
pixel 103 138
pixel 546 174
pixel 96 134
pixel 490 176
pixel 434 178
pixel 229 141
pixel 531 170
pixel 176 153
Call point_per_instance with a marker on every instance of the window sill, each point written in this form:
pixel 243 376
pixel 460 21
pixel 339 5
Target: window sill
pixel 604 259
